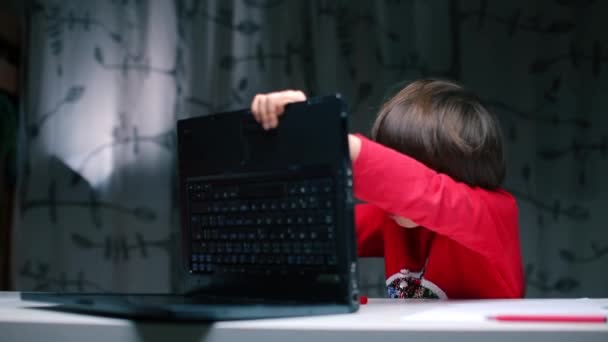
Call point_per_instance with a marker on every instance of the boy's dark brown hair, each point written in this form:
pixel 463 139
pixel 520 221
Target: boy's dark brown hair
pixel 446 127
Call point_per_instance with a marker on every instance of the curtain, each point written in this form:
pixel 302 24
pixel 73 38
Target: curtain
pixel 106 81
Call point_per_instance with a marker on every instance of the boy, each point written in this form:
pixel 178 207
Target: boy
pixel 431 181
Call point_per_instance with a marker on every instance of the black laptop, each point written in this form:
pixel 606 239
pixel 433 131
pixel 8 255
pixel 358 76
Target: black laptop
pixel 267 221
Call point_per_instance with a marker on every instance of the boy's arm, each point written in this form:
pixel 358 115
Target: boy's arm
pixel 405 187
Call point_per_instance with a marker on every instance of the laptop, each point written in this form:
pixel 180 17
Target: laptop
pixel 267 227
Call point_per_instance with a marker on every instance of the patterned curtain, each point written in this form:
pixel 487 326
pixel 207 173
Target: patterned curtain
pixel 106 80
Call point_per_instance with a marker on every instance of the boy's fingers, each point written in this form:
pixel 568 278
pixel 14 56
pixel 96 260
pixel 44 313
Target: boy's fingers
pixel 292 96
pixel 254 107
pixel 264 111
pixel 287 97
pixel 266 108
pixel 275 107
pixel 259 113
pixel 295 95
pixel 300 96
pixel 281 100
pixel 258 109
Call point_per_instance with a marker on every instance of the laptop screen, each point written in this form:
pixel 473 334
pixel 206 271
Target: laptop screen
pixel 269 213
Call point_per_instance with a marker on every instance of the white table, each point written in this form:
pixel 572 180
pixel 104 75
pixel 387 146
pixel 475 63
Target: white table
pixel 378 321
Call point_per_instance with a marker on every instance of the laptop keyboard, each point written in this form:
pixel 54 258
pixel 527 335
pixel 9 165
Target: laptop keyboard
pixel 262 226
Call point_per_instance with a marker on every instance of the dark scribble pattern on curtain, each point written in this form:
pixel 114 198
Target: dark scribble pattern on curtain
pixel 107 79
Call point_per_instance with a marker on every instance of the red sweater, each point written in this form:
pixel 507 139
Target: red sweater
pixel 467 245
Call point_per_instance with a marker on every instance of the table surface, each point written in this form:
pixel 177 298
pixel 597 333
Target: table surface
pixel 384 319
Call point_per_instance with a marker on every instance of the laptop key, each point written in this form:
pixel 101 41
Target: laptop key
pixel 270 225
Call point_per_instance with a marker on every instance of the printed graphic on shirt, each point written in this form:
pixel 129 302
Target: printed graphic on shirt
pixel 407 284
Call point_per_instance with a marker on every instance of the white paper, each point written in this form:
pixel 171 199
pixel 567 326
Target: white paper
pixel 479 311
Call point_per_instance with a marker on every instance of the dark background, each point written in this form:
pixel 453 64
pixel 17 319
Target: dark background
pixel 104 81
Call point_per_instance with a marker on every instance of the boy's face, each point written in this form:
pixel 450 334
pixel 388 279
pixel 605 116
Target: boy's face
pixel 404 222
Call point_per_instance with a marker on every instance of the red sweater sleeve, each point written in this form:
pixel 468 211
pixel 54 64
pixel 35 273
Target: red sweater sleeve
pixel 405 187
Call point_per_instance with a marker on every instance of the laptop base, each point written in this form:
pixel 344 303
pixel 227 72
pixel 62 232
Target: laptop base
pixel 177 307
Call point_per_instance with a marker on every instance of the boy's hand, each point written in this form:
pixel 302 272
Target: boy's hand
pixel 354 147
pixel 267 108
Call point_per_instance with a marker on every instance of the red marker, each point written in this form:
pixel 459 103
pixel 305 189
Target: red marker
pixel 550 318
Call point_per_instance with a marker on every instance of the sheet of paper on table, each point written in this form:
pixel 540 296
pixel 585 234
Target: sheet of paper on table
pixel 479 311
